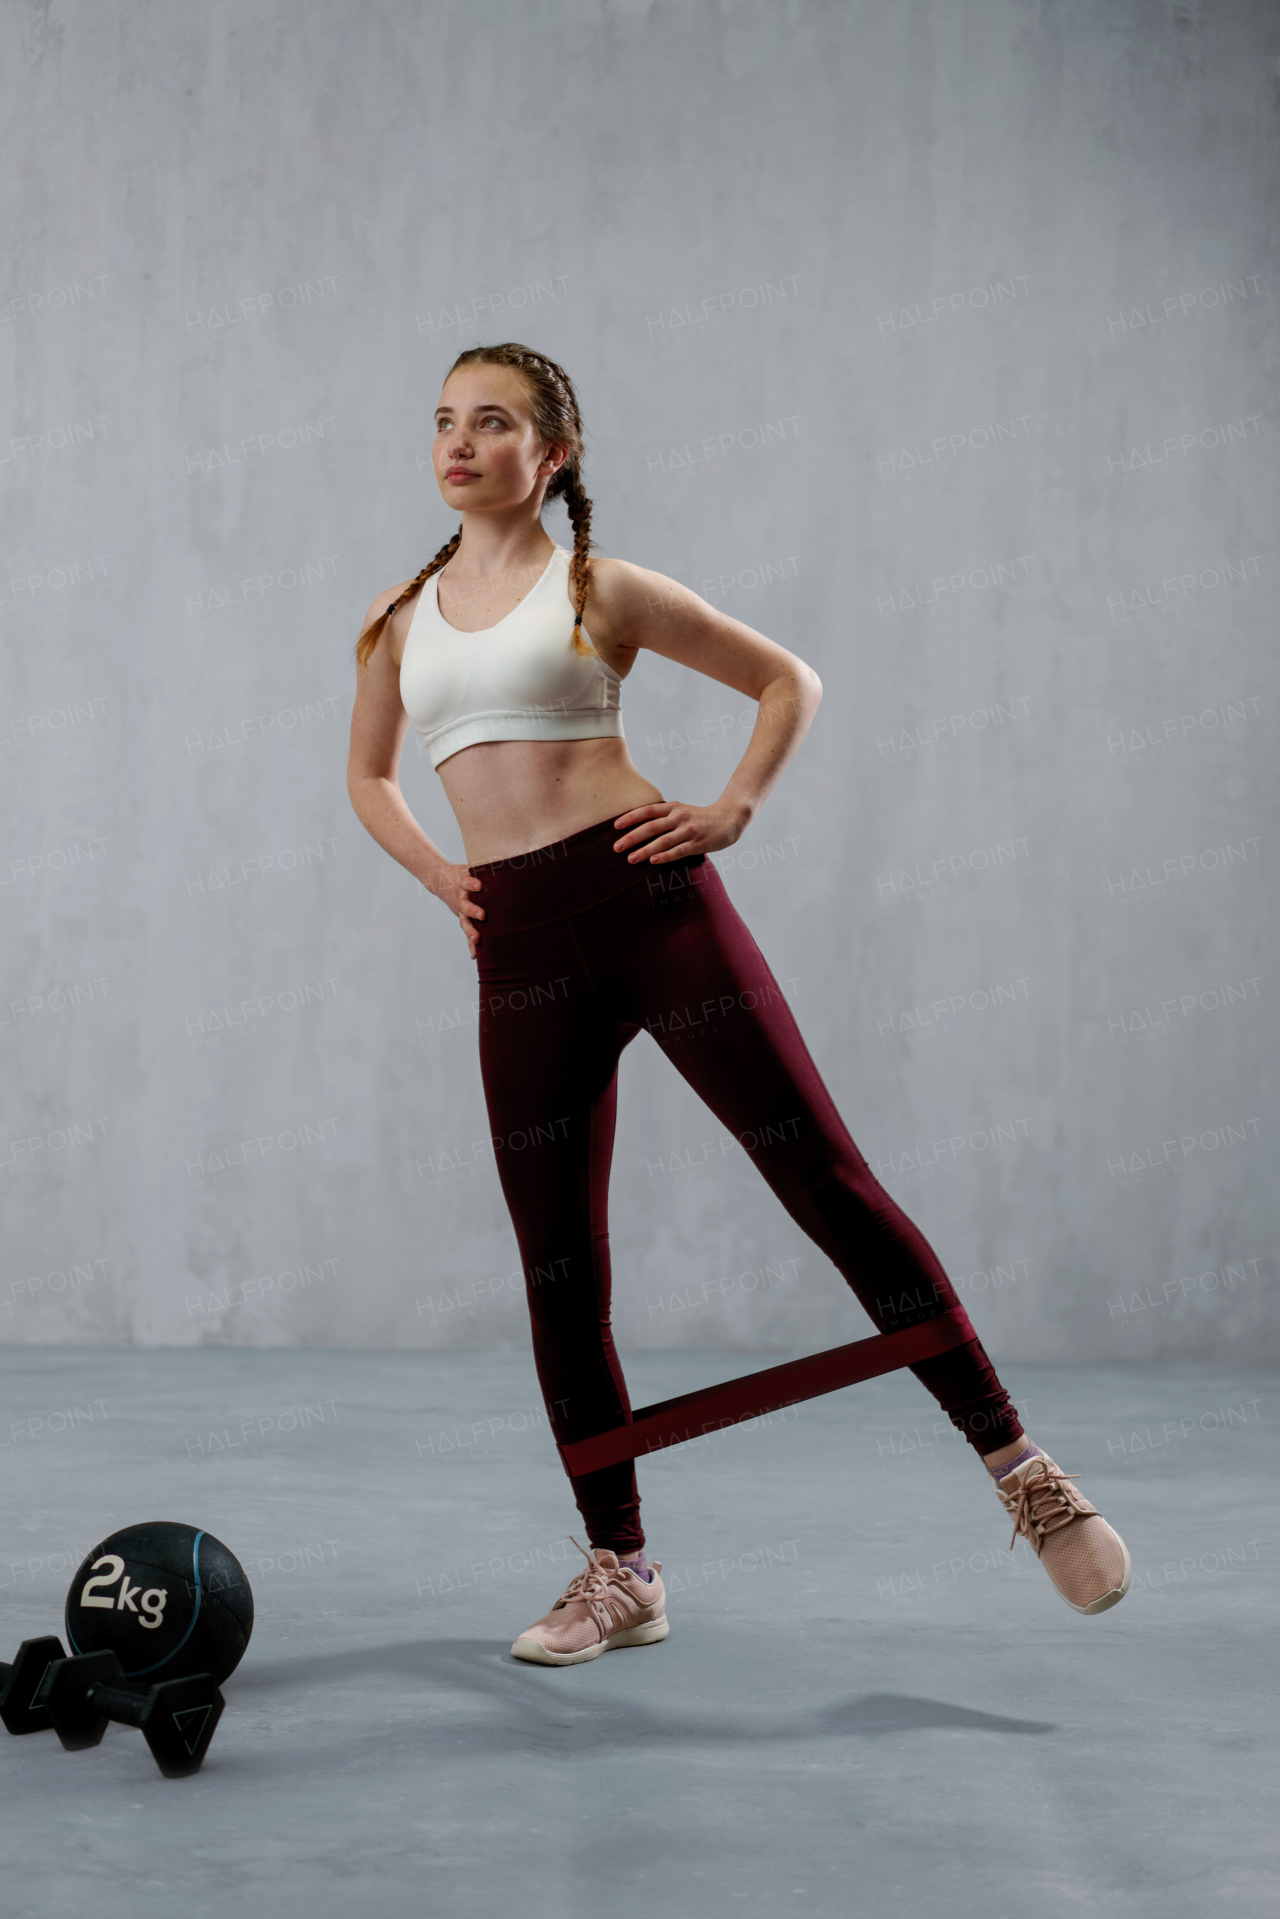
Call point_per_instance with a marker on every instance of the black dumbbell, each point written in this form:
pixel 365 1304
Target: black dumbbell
pixel 176 1718
pixel 20 1682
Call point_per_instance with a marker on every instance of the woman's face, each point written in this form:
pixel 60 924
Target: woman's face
pixel 487 452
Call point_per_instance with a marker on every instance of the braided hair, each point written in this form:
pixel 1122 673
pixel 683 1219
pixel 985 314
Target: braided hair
pixel 556 417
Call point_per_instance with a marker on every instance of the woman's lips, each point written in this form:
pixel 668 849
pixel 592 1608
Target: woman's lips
pixel 460 473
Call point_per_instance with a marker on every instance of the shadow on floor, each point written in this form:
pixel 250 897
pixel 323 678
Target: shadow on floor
pixel 873 1713
pixel 532 1705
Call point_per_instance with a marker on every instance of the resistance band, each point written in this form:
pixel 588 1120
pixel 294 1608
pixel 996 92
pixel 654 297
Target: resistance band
pixel 690 1415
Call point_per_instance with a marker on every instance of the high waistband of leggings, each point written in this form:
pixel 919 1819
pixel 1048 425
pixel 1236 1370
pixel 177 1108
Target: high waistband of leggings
pixel 565 877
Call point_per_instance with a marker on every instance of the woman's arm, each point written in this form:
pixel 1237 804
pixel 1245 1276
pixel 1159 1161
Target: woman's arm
pixel 379 725
pixel 632 608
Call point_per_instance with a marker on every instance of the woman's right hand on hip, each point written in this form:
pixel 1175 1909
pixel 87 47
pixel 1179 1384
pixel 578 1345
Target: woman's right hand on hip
pixel 455 886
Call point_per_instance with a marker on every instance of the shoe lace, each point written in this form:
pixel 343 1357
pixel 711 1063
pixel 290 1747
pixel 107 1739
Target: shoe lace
pixel 596 1586
pixel 1040 1503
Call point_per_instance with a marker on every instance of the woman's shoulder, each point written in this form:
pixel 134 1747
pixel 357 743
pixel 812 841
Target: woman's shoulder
pixel 625 597
pixel 396 631
pixel 381 601
pixel 620 586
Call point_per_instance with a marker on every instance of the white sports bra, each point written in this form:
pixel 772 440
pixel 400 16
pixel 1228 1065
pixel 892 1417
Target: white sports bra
pixel 522 679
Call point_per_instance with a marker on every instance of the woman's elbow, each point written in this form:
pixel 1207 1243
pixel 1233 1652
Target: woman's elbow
pixel 809 680
pixel 361 781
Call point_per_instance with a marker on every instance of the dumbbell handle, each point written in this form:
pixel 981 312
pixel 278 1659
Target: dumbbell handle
pixel 124 1707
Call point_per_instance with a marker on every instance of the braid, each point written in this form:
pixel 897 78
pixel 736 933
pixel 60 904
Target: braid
pixel 578 507
pixel 373 632
pixel 567 485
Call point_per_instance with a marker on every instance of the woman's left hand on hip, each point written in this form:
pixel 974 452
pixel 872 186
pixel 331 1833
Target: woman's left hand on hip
pixel 666 830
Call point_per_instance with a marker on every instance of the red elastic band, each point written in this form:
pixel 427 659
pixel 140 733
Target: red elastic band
pixel 691 1415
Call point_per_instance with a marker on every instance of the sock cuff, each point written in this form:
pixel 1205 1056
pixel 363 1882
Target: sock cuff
pixel 1010 1465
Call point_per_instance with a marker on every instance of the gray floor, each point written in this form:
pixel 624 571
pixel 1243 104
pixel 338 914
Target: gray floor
pixel 866 1705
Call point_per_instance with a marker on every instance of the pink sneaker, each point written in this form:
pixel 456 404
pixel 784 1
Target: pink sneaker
pixel 603 1606
pixel 1085 1559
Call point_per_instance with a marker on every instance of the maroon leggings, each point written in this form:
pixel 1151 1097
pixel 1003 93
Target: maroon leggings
pixel 580 951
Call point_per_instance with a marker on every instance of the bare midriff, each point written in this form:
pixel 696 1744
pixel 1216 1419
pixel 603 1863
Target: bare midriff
pixel 510 796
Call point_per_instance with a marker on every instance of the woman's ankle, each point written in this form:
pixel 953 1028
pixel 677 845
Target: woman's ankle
pixel 998 1462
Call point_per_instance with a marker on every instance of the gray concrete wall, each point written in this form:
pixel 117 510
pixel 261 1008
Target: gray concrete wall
pixel 931 341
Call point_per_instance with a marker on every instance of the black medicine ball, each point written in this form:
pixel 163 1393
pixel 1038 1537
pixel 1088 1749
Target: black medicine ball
pixel 167 1599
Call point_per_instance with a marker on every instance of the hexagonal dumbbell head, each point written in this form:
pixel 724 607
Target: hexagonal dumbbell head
pixel 66 1693
pixel 20 1682
pixel 178 1720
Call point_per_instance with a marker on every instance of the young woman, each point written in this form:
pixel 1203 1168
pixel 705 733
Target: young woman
pixel 593 913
